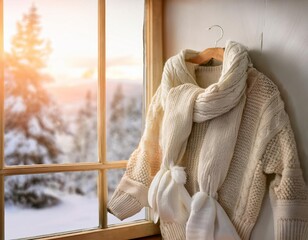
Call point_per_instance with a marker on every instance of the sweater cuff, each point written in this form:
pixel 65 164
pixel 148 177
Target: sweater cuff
pixel 294 229
pixel 128 199
pixel 122 205
pixel 291 219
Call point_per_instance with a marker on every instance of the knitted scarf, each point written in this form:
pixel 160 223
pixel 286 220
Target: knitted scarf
pixel 222 103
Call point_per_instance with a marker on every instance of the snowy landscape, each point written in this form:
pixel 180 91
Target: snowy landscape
pixel 47 122
pixel 81 212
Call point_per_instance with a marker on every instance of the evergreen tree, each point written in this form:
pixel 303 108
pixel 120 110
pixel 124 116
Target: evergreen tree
pixel 32 118
pixel 116 130
pixel 85 147
pixel 85 139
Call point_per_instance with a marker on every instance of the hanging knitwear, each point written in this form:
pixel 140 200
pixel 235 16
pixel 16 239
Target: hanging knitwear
pixel 212 135
pixel 222 103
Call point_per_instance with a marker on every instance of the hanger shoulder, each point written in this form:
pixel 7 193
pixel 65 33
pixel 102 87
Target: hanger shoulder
pixel 207 55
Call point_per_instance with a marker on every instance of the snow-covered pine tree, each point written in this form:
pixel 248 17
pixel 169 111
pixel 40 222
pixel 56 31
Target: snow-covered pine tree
pixel 115 127
pixel 84 147
pixel 32 119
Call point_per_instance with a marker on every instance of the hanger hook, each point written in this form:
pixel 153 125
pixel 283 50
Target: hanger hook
pixel 221 33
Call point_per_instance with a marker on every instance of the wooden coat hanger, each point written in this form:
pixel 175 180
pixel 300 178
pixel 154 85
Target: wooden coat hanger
pixel 210 53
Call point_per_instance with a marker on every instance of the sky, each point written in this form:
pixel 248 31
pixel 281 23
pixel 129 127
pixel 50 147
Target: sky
pixel 71 26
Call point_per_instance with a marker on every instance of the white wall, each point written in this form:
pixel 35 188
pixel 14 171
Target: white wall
pixel 283 56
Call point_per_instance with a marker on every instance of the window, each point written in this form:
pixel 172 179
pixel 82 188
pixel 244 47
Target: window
pixel 47 167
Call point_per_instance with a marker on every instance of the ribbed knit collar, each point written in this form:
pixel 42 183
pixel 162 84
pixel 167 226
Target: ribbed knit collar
pixel 232 51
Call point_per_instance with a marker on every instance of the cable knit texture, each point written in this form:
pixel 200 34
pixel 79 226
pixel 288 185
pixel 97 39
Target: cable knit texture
pixel 264 145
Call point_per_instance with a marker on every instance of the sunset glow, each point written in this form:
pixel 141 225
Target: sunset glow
pixel 72 30
pixel 72 39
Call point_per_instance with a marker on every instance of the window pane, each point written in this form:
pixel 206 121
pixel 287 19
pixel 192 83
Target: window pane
pixel 124 76
pixel 50 81
pixel 114 176
pixel 41 204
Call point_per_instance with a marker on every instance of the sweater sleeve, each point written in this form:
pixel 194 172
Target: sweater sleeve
pixel 130 195
pixel 288 191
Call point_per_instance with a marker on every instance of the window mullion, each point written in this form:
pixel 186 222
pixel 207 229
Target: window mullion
pixel 102 196
pixel 1 88
pixel 102 179
pixel 2 207
pixel 1 124
pixel 101 83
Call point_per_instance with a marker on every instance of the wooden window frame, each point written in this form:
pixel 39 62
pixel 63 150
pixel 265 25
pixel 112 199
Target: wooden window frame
pixel 153 69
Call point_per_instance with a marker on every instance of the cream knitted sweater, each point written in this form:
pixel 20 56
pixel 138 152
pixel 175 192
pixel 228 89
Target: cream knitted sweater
pixel 265 146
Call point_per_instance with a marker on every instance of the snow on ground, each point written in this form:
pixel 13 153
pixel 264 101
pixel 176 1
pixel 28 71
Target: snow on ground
pixel 74 213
